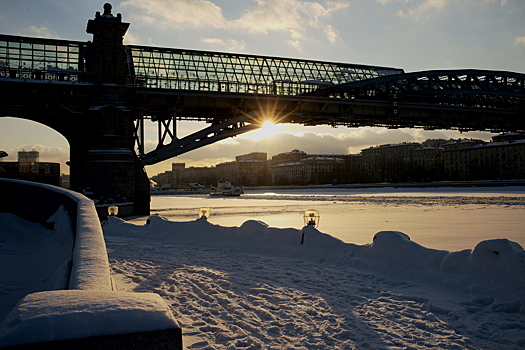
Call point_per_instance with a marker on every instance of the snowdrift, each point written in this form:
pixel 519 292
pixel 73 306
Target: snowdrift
pixel 493 268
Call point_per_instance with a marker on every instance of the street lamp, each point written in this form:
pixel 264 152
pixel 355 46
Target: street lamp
pixel 204 213
pixel 112 210
pixel 311 218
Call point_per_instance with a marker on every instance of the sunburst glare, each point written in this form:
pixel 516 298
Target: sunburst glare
pixel 267 130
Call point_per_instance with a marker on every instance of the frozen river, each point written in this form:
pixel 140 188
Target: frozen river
pixel 440 218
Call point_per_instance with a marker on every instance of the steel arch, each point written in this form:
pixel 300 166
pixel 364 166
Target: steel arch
pixel 465 87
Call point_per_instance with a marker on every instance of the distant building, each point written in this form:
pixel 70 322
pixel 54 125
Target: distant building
pixel 177 166
pixel 434 142
pixel 29 168
pixel 456 158
pixel 353 169
pixel 432 160
pixel 247 170
pixel 389 162
pixel 252 156
pixel 65 181
pixel 298 168
pixel 288 157
pixel 206 176
pixel 501 159
pixel 180 175
pixel 165 178
pixel 28 157
pixel 509 136
pixel 426 163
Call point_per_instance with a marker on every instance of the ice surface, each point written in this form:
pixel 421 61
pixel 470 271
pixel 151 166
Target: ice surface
pixel 443 218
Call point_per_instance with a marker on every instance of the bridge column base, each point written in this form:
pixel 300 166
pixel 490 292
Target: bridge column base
pixel 116 175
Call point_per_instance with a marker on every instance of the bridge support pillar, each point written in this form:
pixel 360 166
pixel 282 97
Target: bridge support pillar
pixel 104 162
pixel 105 158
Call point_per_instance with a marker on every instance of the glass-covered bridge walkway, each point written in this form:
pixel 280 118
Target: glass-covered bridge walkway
pixel 178 69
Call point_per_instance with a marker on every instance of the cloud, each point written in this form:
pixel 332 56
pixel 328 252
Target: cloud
pixel 213 41
pixel 132 39
pixel 296 44
pixel 331 34
pixel 291 18
pixel 42 32
pixel 417 9
pixel 198 13
pixel 230 44
pixel 519 40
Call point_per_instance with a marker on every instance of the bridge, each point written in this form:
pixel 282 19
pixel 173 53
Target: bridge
pixel 98 95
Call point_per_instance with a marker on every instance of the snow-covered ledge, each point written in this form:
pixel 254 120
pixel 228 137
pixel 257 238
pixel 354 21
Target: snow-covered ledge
pixel 89 313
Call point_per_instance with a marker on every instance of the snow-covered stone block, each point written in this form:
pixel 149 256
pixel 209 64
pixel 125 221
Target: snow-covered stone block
pixel 83 314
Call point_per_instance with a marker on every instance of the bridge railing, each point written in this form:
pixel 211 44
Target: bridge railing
pixel 41 59
pixel 165 68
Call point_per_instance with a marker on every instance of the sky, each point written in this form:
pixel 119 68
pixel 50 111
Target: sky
pixel 415 35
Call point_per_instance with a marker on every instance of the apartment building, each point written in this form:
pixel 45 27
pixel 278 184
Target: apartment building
pixel 389 162
pixel 248 170
pixel 426 163
pixel 456 158
pixel 310 170
pixel 206 176
pixel 501 159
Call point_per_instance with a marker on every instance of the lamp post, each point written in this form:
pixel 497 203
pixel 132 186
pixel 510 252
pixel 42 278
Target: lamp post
pixel 112 210
pixel 204 213
pixel 311 218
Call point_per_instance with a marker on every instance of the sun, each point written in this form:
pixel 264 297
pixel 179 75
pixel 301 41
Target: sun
pixel 267 129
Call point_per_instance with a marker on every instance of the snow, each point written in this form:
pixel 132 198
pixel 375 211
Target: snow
pixel 250 285
pixel 48 316
pixel 89 255
pixel 25 249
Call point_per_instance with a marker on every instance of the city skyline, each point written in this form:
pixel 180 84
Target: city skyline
pixel 313 152
pixel 413 35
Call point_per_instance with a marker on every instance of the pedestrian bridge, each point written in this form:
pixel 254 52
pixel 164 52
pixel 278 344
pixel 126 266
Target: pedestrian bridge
pixel 99 93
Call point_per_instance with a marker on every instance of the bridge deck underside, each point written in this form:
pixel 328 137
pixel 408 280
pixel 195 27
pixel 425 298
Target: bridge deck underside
pixel 429 112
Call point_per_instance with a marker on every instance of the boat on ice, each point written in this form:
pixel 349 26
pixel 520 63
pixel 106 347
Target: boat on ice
pixel 225 188
pixel 192 188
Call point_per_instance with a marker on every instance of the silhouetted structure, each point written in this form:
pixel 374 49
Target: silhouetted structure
pixel 98 95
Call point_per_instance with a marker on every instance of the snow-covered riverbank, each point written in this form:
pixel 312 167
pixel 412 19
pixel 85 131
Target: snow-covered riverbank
pixel 257 287
pixel 415 271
